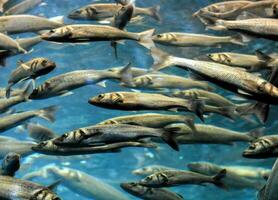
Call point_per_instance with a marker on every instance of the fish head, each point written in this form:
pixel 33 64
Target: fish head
pixel 163 37
pixel 42 66
pixel 259 149
pixel 274 10
pixel 11 162
pixel 133 188
pixel 154 179
pixel 75 137
pixel 58 34
pixel 41 91
pixel 45 146
pixel 44 194
pixel 89 12
pixel 143 171
pixel 107 99
pixel 141 81
pixel 220 58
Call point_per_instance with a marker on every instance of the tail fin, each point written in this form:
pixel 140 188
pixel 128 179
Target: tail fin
pixel 256 133
pixel 260 110
pixel 58 19
pixel 197 106
pixel 145 38
pixel 161 59
pixel 28 90
pixel 154 12
pixel 237 39
pixel 126 75
pixel 217 179
pixel 169 136
pixel 48 113
pixel 8 90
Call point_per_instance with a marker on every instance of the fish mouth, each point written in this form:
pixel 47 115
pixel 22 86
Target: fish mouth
pixel 93 101
pixel 249 154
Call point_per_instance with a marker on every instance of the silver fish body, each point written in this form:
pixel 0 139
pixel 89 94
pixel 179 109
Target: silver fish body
pixel 151 169
pixel 23 148
pixel 22 7
pixel 12 188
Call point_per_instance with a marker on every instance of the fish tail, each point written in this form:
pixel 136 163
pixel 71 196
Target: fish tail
pixel 161 59
pixel 169 136
pixel 145 38
pixel 213 23
pixel 154 12
pixel 260 110
pixel 125 75
pixel 197 106
pixel 28 90
pixel 3 60
pixel 256 133
pixel 217 179
pixel 237 39
pixel 48 113
pixel 8 90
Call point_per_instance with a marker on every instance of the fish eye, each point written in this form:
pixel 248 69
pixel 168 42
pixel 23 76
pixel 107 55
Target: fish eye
pixel 100 96
pixel 44 62
pixel 148 178
pixel 159 36
pixel 133 184
pixel 42 144
pixel 51 31
pixel 252 147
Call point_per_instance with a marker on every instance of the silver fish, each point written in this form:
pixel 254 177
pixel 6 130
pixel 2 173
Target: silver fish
pixel 12 188
pixel 49 148
pixel 13 120
pixel 231 180
pixel 99 11
pixel 9 44
pixel 107 134
pixel 192 40
pixel 172 178
pixel 26 23
pixel 22 7
pixel 263 147
pixel 151 169
pixel 23 148
pixel 64 83
pixel 209 134
pixel 92 33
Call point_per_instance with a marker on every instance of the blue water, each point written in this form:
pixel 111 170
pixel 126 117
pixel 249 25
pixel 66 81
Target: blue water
pixel 75 112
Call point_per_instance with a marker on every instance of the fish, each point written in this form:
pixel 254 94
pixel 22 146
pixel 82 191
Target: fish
pixel 107 134
pixel 123 2
pixel 49 148
pixel 123 16
pixel 172 178
pixel 29 70
pixel 25 43
pixel 6 104
pixel 12 24
pixel 247 61
pixel 192 40
pixel 10 164
pixel 13 188
pixel 151 120
pixel 240 82
pixel 63 84
pixel 92 33
pixel 165 81
pixel 145 101
pixel 210 134
pixel 23 148
pixel 151 169
pixel 8 43
pixel 268 192
pixel 222 9
pixel 231 10
pixel 40 133
pixel 257 27
pixel 263 147
pixel 22 7
pixel 82 183
pixel 101 11
pixel 13 120
pixel 134 71
pixel 150 193
pixel 231 180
